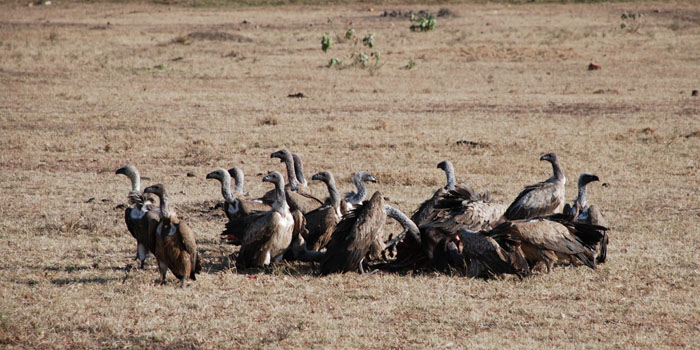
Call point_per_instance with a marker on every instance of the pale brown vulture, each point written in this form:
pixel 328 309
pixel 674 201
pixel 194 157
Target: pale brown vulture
pixel 542 198
pixel 580 211
pixel 234 203
pixel 297 197
pixel 321 222
pixel 176 245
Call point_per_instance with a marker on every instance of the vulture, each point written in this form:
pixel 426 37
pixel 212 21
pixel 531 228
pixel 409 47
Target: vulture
pixel 296 199
pixel 264 236
pixel 176 245
pixel 546 240
pixel 139 216
pixel 542 198
pixel 321 222
pixel 356 235
pixel 233 205
pixel 353 198
pixel 424 214
pixel 580 211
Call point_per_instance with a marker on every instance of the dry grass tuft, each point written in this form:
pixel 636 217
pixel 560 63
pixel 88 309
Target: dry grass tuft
pixel 268 120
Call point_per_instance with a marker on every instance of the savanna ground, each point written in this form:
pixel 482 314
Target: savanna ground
pixel 87 88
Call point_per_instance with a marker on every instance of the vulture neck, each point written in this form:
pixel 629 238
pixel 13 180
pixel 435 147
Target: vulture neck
pixel 291 173
pixel 580 202
pixel 164 207
pixel 404 220
pixel 333 193
pixel 135 178
pixel 280 203
pixel 238 179
pixel 299 171
pixel 226 189
pixel 557 173
pixel 450 173
pixel 357 198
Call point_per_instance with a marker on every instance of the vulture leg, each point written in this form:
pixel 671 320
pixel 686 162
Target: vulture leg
pixel 141 253
pixel 163 271
pixel 183 282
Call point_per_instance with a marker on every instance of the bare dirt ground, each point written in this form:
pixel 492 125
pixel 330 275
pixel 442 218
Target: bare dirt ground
pixel 87 88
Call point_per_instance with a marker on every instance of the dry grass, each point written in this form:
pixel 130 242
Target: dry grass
pixel 87 88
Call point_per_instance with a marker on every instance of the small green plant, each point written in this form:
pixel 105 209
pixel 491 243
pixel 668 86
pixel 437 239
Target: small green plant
pixel 326 42
pixel 410 65
pixel 362 59
pixel 423 22
pixel 368 40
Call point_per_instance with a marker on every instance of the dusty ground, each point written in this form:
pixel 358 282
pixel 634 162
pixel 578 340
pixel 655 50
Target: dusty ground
pixel 87 88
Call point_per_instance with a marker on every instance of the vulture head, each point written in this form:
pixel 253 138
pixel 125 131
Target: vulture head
pixel 322 176
pixel 550 157
pixel 157 189
pixel 445 165
pixel 282 154
pixel 584 179
pixel 128 170
pixel 274 177
pixel 366 177
pixel 217 174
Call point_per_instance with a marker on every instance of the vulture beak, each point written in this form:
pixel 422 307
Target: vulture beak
pixel 121 171
pixel 316 177
pixel 372 179
pixel 544 157
pixel 275 155
pixel 267 178
pixel 592 178
pixel 213 175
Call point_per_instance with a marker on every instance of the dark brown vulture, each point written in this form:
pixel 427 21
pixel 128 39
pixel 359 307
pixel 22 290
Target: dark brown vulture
pixel 264 236
pixel 176 245
pixel 357 234
pixel 139 215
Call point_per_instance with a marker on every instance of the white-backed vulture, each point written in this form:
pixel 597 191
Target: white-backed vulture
pixel 234 205
pixel 265 236
pixel 425 212
pixel 139 216
pixel 409 252
pixel 580 211
pixel 321 222
pixel 296 199
pixel 542 198
pixel 354 237
pixel 176 244
pixel 545 240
